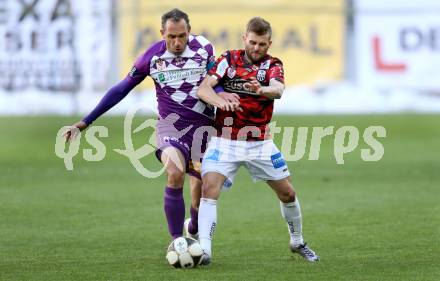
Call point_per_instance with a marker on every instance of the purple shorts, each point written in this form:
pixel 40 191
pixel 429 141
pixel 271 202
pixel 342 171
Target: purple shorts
pixel 190 138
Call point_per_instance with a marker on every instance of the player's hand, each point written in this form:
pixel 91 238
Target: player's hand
pixel 236 106
pixel 73 131
pixel 231 97
pixel 230 106
pixel 253 85
pixel 233 101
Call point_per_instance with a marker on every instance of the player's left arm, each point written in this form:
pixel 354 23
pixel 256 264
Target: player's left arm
pixel 273 91
pixel 276 86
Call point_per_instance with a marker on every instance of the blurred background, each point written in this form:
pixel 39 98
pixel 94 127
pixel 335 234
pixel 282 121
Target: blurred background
pixel 340 56
pixel 360 63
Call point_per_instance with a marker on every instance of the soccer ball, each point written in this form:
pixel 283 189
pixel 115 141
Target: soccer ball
pixel 184 252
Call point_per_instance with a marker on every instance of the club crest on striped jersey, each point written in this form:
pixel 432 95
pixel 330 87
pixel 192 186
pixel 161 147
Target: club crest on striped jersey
pixel 160 65
pixel 261 75
pixel 231 72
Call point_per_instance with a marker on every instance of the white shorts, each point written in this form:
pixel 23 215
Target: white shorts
pixel 262 159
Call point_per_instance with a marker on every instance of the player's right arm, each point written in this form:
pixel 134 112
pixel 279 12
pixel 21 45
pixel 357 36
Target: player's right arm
pixel 228 102
pixel 208 95
pixel 116 93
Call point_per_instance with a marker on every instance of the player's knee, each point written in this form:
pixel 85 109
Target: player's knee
pixel 207 187
pixel 288 195
pixel 176 177
pixel 210 190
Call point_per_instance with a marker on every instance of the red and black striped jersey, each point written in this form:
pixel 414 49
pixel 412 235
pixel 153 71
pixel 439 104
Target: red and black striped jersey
pixel 233 71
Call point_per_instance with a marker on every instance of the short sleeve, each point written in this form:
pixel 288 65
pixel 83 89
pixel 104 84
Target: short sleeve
pixel 220 66
pixel 276 70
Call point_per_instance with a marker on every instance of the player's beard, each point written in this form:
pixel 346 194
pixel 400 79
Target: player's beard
pixel 254 56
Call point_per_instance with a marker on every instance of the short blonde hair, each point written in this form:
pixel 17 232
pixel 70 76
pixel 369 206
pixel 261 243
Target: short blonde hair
pixel 259 26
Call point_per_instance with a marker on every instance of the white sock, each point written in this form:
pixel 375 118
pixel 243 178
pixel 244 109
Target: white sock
pixel 291 212
pixel 207 222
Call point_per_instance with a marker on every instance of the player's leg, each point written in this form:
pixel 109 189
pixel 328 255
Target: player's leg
pixel 174 205
pixel 291 212
pixel 212 184
pixel 191 224
pixel 219 164
pixel 269 165
pixel 290 208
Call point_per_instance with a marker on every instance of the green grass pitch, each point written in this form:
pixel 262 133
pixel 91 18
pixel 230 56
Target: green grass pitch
pixel 104 221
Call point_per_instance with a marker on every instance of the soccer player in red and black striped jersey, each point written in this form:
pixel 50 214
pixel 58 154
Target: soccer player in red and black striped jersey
pixel 238 74
pixel 243 137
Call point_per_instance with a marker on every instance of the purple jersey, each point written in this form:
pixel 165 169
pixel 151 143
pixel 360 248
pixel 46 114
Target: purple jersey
pixel 177 78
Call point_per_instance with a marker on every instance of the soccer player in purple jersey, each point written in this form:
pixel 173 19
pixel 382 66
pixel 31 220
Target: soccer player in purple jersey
pixel 177 64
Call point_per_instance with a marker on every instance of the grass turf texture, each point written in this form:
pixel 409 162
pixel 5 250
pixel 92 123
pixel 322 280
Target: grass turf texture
pixel 104 221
